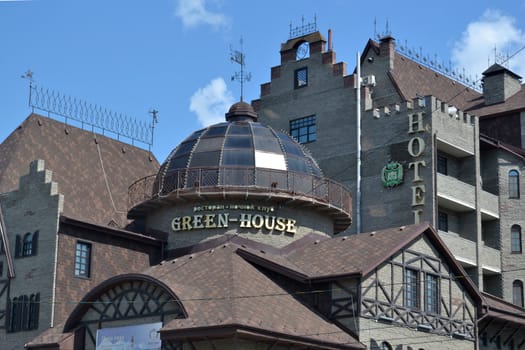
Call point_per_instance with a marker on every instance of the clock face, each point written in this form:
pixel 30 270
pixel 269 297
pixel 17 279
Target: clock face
pixel 303 51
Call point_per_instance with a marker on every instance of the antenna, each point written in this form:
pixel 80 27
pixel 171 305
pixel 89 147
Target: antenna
pixel 29 75
pixel 239 58
pixel 154 120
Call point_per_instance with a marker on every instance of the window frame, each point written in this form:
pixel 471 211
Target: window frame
pixel 442 221
pixel 514 184
pixel 442 164
pixel 517 293
pixel 297 81
pixel 432 293
pixel 515 240
pixel 82 264
pixel 304 127
pixel 412 292
pixel 27 244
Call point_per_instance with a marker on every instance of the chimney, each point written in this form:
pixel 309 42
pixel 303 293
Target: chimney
pixel 387 48
pixel 499 84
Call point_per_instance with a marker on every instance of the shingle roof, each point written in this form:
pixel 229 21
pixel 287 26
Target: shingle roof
pixel 502 310
pixel 413 79
pixel 51 338
pixel 359 254
pixel 220 289
pixel 93 171
pixel 514 103
pixel 350 255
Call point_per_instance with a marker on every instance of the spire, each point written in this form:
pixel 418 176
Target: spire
pixel 239 58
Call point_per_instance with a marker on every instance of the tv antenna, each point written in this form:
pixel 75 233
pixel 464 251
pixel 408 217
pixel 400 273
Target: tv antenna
pixel 239 58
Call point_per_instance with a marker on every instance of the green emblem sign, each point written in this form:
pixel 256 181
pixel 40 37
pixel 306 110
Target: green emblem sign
pixel 392 174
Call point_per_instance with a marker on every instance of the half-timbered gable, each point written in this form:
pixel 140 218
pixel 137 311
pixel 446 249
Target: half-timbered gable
pixel 395 287
pixel 417 294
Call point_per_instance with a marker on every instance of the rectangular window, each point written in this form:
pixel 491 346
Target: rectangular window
pixel 83 259
pixel 514 184
pixel 304 130
pixel 411 289
pixel 301 78
pixel 515 239
pixel 442 165
pixel 431 294
pixel 442 221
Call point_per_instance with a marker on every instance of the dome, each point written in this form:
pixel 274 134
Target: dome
pixel 238 159
pixel 238 152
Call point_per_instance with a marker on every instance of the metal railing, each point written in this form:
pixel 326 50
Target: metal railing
pixel 91 115
pixel 224 179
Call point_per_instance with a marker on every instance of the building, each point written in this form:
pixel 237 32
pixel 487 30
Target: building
pixel 431 148
pixel 242 239
pixel 63 191
pixel 253 260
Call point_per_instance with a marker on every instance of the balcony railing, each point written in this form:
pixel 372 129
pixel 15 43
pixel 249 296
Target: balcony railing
pixel 231 179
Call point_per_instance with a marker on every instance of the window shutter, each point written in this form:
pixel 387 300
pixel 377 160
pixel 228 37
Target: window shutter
pixel 18 246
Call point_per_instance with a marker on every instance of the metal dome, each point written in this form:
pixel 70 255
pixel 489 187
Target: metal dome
pixel 241 158
pixel 239 152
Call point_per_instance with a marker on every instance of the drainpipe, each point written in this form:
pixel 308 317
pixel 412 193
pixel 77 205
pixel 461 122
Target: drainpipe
pixel 358 141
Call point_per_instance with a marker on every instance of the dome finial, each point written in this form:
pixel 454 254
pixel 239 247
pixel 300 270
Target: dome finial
pixel 241 111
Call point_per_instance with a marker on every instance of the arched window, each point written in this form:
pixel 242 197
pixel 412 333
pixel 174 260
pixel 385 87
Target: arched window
pixel 27 247
pixel 515 239
pixel 514 184
pixel 517 293
pixel 385 346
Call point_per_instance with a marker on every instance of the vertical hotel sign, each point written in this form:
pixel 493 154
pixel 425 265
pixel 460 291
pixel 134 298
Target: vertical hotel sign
pixel 416 149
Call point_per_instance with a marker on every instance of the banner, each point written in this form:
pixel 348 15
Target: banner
pixel 138 337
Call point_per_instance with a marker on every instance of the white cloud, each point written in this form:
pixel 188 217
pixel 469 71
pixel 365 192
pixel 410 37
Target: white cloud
pixel 211 102
pixel 475 50
pixel 194 13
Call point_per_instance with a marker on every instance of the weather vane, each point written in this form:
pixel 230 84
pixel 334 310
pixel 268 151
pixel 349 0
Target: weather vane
pixel 239 58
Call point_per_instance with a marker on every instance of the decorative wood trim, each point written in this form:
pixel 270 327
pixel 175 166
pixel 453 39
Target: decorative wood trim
pixel 379 302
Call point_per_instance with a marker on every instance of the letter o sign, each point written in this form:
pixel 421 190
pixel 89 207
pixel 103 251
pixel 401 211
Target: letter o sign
pixel 416 146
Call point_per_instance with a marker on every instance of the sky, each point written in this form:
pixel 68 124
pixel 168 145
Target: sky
pixel 173 56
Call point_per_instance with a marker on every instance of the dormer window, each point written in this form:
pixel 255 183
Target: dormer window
pixel 301 77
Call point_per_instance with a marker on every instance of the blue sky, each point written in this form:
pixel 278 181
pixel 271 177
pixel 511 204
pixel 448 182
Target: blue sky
pixel 174 55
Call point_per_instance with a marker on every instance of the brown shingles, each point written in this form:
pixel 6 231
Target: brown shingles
pixel 218 288
pixel 502 310
pixel 413 79
pixel 93 171
pixel 514 103
pixel 350 255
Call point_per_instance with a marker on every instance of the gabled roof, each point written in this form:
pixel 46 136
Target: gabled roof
pixel 516 151
pixel 354 255
pixel 497 69
pixel 413 79
pixel 502 310
pixel 222 293
pixel 93 171
pixel 513 104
